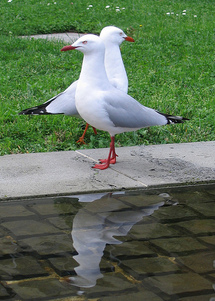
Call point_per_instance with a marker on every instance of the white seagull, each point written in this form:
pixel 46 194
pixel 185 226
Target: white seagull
pixel 103 106
pixel 64 103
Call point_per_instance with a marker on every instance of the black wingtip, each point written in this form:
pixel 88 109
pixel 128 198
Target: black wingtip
pixel 174 119
pixel 24 112
pixel 39 110
pixel 33 111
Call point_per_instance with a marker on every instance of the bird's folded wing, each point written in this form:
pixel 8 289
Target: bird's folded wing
pixel 124 111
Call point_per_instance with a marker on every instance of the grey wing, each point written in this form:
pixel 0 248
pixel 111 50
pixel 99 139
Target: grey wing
pixel 64 103
pixel 124 111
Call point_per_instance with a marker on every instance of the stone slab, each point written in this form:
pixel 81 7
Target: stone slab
pixel 164 164
pixel 55 173
pixel 68 37
pixel 180 283
pixel 70 172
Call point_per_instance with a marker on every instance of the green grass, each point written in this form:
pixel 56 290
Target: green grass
pixel 170 68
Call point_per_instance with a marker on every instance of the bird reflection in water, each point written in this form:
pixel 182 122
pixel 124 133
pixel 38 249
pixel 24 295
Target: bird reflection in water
pixel 95 225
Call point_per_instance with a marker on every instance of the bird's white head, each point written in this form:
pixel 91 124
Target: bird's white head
pixel 87 44
pixel 115 35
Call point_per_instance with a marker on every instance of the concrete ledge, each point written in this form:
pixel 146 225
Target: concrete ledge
pixel 70 172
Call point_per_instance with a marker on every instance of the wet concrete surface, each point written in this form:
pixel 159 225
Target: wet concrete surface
pixel 157 244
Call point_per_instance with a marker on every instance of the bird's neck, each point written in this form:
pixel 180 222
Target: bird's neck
pixel 93 70
pixel 114 66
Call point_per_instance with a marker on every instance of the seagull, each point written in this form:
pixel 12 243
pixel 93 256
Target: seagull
pixel 64 103
pixel 105 107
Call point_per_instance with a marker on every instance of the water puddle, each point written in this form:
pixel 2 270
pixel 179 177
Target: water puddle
pixel 136 245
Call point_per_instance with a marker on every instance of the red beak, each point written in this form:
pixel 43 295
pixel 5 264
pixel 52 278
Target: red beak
pixel 69 47
pixel 129 39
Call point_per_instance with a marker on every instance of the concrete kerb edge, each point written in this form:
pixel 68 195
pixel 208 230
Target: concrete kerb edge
pixel 171 186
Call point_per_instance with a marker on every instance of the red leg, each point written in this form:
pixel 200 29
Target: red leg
pixel 81 139
pixel 111 157
pixel 95 131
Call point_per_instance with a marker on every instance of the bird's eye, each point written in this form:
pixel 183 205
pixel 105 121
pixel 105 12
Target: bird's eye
pixel 121 33
pixel 85 42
